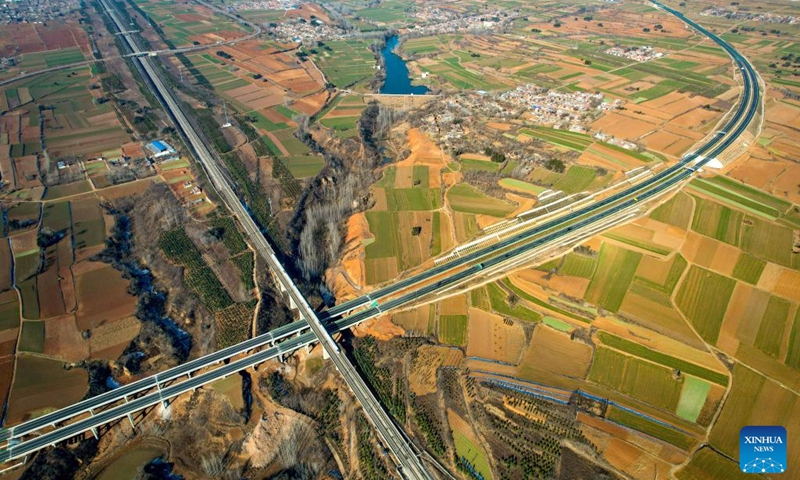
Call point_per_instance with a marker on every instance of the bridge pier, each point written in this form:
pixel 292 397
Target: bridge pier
pixel 130 419
pixel 94 432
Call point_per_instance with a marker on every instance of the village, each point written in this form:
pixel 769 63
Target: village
pixel 36 11
pixel 735 14
pixel 565 110
pixel 639 54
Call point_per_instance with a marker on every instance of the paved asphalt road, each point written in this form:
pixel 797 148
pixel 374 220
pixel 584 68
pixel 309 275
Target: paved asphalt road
pixel 402 452
pixel 746 110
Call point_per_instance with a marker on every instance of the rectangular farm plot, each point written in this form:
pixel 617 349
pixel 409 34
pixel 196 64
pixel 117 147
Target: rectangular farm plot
pixel 668 361
pixel 577 179
pixel 493 337
pixel 703 297
pixel 9 310
pixel 32 337
pixel 770 332
pixel 115 301
pixel 453 329
pixel 754 400
pixel 615 270
pixel 693 397
pixel 41 384
pixel 560 138
pixel 748 268
pixel 709 465
pixel 553 354
pixel 640 379
pixel 769 241
pixel 717 221
pixel 467 199
pixel 650 427
pixel 578 265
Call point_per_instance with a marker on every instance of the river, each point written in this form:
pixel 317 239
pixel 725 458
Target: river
pixel 397 76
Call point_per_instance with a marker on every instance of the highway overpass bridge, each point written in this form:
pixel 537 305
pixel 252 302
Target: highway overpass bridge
pixel 86 416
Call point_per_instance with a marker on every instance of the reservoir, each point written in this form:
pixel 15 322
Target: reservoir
pixel 397 79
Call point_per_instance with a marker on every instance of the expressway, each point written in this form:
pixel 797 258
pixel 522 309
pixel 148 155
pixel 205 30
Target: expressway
pixel 404 456
pixel 710 149
pixel 509 248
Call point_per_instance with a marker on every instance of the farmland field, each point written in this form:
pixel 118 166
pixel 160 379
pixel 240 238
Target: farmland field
pixel 693 397
pixel 709 465
pixel 640 379
pixel 717 221
pixel 499 300
pixel 703 297
pixel 661 358
pixel 578 265
pixel 467 199
pixel 649 427
pixel 748 268
pixel 560 138
pixel 616 268
pixel 346 62
pixel 676 211
pixel 42 385
pixel 754 400
pixel 453 329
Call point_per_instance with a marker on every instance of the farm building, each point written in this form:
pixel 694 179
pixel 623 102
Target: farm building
pixel 160 149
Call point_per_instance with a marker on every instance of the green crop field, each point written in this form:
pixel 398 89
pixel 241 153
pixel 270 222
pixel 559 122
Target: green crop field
pixel 453 329
pixel 405 199
pixel 453 72
pixel 500 304
pixel 640 379
pixel 346 62
pixel 577 179
pixel 9 311
pixel 703 297
pixel 292 144
pixel 560 138
pixel 734 199
pixel 468 199
pixel 754 194
pixel 304 166
pixel 578 265
pixel 693 397
pixel 473 454
pixel 717 221
pixel 559 325
pixel 773 324
pixel 793 354
pixel 753 400
pixel 669 435
pixel 748 268
pixel 383 226
pixel 469 164
pixel 706 464
pixel 615 270
pixel 32 337
pixel 30 298
pixel 479 298
pixel 769 241
pixel 662 358
pixel 515 184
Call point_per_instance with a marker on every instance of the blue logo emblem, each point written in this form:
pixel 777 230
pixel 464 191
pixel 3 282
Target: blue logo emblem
pixel 762 449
